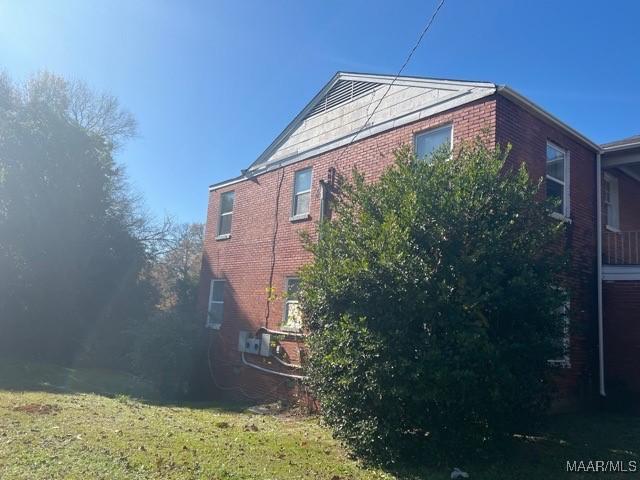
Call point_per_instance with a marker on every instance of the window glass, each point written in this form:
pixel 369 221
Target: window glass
pixel 303 180
pixel 292 315
pixel 216 303
pixel 301 192
pixel 611 202
pixel 555 162
pixel 556 171
pixel 226 202
pixel 226 213
pixel 217 291
pixel 428 142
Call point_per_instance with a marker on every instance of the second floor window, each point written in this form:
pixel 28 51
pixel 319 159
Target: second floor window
pixel 557 178
pixel 226 214
pixel 426 143
pixel 611 202
pixel 301 193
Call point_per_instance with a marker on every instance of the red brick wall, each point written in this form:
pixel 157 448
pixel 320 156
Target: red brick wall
pixel 622 335
pixel 528 136
pixel 245 259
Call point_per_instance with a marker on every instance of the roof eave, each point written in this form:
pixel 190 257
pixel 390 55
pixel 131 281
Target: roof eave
pixel 511 94
pixel 226 183
pixel 618 148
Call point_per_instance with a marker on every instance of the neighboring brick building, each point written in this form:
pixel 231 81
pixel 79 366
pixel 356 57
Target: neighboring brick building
pixel 252 245
pixel 621 266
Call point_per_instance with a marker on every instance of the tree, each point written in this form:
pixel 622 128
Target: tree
pixel 432 306
pixel 70 250
pixel 169 345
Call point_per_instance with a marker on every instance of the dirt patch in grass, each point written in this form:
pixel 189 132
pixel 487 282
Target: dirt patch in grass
pixel 38 409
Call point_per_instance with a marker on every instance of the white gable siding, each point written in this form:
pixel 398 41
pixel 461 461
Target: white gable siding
pixel 344 121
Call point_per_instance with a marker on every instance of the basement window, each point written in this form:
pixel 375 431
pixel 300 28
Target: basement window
pixel 558 179
pixel 226 215
pixel 428 142
pixel 292 318
pixel 611 202
pixel 301 195
pixel 216 304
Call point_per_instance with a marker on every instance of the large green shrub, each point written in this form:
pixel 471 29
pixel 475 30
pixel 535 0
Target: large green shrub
pixel 433 306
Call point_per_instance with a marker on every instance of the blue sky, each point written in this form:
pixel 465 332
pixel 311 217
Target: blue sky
pixel 212 83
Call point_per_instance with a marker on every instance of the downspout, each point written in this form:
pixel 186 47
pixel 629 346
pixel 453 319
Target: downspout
pixel 599 272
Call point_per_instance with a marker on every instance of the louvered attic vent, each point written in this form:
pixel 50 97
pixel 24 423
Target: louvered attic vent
pixel 342 92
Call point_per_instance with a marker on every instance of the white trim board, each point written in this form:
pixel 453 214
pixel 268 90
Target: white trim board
pixel 621 272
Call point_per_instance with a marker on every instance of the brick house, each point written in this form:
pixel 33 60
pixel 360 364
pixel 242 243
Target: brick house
pixel 252 247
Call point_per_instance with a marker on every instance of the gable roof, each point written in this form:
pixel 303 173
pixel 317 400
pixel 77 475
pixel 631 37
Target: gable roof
pixel 336 115
pixel 346 88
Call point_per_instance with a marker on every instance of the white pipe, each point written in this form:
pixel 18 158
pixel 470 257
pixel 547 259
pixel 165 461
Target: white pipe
pixel 273 372
pixel 282 362
pixel 281 332
pixel 599 273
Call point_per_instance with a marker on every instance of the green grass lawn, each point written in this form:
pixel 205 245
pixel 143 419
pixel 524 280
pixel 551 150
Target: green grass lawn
pixel 51 427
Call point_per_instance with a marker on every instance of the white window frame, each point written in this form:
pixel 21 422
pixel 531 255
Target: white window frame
pixel 565 360
pixel 209 324
pixel 613 189
pixel 566 184
pixel 301 216
pixel 221 214
pixel 286 326
pixel 429 131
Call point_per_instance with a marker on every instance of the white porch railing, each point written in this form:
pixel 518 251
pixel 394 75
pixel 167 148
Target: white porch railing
pixel 621 248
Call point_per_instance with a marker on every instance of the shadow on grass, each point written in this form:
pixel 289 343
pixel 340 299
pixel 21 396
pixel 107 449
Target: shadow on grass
pixel 17 375
pixel 549 452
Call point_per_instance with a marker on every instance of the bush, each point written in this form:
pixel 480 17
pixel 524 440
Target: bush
pixel 432 306
pixel 166 351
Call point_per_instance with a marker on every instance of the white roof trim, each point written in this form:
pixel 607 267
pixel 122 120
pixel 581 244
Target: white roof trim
pixel 226 183
pixel 525 102
pixel 625 146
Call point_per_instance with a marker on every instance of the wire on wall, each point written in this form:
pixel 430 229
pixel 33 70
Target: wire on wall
pixel 273 249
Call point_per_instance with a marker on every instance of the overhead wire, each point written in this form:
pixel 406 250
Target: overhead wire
pixel 406 62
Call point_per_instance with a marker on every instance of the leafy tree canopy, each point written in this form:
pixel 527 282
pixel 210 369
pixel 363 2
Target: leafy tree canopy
pixel 70 243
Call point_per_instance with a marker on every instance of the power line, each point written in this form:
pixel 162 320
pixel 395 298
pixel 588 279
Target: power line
pixel 406 62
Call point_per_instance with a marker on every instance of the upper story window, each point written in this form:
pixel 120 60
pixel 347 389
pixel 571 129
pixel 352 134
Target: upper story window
pixel 292 318
pixel 558 178
pixel 301 194
pixel 216 303
pixel 226 214
pixel 611 201
pixel 426 143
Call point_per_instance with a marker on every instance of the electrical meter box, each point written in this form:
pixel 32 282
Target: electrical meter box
pixel 248 343
pixel 265 345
